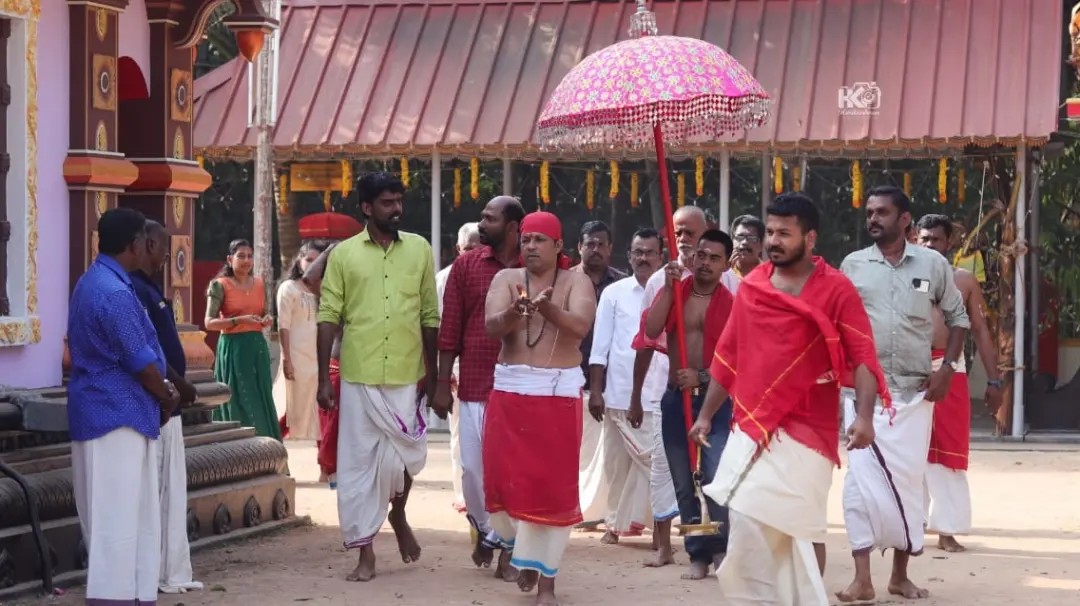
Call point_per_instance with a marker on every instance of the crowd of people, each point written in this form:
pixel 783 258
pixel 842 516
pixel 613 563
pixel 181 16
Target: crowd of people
pixel 566 390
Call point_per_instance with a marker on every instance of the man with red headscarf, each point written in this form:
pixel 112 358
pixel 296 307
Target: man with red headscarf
pixel 532 430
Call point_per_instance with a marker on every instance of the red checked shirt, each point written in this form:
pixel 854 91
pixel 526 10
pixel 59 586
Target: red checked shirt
pixel 462 328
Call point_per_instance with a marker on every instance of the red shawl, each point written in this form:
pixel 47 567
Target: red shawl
pixel 716 317
pixel 783 358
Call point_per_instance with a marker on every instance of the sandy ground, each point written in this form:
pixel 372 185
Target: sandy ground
pixel 1025 549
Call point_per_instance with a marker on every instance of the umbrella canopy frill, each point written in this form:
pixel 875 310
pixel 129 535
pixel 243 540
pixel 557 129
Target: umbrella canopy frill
pixel 614 97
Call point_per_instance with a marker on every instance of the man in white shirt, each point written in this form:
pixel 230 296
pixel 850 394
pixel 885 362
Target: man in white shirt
pixel 628 448
pixel 468 238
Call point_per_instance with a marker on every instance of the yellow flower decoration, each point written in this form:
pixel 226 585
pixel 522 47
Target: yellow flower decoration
pixel 680 188
pixel 457 188
pixel 405 172
pixel 283 194
pixel 347 177
pixel 326 201
pixel 699 176
pixel 545 184
pixel 202 161
pixel 474 178
pixel 634 190
pixel 796 177
pixel 942 180
pixel 614 191
pixel 961 185
pixel 907 184
pixel 778 174
pixel 856 185
pixel 590 185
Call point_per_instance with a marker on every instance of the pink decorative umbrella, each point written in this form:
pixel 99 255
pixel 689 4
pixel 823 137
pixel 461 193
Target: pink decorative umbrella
pixel 647 90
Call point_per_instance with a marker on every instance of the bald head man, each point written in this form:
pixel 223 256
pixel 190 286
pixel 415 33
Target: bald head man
pixel 500 221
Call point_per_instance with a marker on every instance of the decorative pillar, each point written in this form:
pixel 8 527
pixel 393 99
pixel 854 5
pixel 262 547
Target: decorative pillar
pixel 94 169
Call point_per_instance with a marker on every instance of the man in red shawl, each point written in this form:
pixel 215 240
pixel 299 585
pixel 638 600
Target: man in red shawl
pixel 797 330
pixel 706 306
pixel 532 429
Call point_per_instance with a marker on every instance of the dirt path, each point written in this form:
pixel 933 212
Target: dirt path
pixel 1025 550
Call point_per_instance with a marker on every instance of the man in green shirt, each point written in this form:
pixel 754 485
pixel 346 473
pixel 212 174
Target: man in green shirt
pixel 380 285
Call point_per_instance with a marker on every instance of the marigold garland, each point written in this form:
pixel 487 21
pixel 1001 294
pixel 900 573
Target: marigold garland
pixel 634 190
pixel 202 161
pixel 942 180
pixel 326 201
pixel 590 185
pixel 347 178
pixel 457 188
pixel 699 176
pixel 680 188
pixel 796 178
pixel 405 172
pixel 283 194
pixel 961 185
pixel 474 178
pixel 614 191
pixel 907 184
pixel 545 184
pixel 778 174
pixel 856 185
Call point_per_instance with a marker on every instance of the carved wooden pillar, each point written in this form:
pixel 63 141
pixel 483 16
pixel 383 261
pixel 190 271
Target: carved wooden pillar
pixel 94 169
pixel 155 133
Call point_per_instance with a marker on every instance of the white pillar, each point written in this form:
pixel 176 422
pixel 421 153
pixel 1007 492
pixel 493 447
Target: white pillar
pixel 508 177
pixel 725 189
pixel 1019 298
pixel 436 208
pixel 802 174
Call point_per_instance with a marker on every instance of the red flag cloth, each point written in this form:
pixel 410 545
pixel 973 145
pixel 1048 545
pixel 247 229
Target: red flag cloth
pixel 950 438
pixel 328 425
pixel 531 449
pixel 716 315
pixel 783 358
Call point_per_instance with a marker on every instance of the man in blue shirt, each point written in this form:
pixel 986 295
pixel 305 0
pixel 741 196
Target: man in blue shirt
pixel 118 398
pixel 176 574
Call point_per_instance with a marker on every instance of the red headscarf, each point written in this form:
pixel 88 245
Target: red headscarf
pixel 545 223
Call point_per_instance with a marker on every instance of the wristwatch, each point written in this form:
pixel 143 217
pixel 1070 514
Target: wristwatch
pixel 703 377
pixel 995 383
pixel 953 365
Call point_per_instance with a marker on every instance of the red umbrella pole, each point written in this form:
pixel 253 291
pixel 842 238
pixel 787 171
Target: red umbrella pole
pixel 680 324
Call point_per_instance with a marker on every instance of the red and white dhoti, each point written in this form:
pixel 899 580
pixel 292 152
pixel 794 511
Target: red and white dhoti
pixel 948 498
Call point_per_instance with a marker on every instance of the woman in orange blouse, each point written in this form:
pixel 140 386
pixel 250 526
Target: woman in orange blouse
pixel 237 306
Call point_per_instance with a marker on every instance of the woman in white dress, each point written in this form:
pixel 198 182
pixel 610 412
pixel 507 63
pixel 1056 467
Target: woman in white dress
pixel 297 379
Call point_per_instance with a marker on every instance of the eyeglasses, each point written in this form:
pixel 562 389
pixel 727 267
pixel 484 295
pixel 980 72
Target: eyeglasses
pixel 646 254
pixel 746 238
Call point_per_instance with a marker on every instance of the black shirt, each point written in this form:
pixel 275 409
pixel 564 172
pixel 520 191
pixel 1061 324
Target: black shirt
pixel 161 315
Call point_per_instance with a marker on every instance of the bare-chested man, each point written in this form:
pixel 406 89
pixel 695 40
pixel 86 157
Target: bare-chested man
pixel 706 305
pixel 946 476
pixel 532 432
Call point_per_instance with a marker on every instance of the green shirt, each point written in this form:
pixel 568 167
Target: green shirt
pixel 384 297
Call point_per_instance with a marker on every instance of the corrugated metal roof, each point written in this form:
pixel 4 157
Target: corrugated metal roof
pixel 366 78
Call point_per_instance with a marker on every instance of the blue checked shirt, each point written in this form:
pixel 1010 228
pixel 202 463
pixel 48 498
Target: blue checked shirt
pixel 111 340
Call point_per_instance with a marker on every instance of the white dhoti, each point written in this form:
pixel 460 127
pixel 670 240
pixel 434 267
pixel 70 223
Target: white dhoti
pixel 176 575
pixel 471 432
pixel 947 501
pixel 662 499
pixel 884 493
pixel 455 455
pixel 115 480
pixel 627 467
pixel 381 437
pixel 592 484
pixel 777 506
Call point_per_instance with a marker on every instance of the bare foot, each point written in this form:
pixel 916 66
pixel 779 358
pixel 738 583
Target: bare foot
pixel 858 591
pixel 659 558
pixel 407 545
pixel 527 580
pixel 593 526
pixel 907 589
pixel 365 566
pixel 698 571
pixel 545 593
pixel 504 570
pixel 949 544
pixel 482 555
pixel 609 538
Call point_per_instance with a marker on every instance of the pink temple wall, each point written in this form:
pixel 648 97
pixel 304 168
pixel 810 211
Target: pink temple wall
pixel 38 365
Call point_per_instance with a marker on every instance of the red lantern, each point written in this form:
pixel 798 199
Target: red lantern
pixel 328 226
pixel 249 42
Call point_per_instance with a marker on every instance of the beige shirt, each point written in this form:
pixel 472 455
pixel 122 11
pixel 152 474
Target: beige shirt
pixel 898 300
